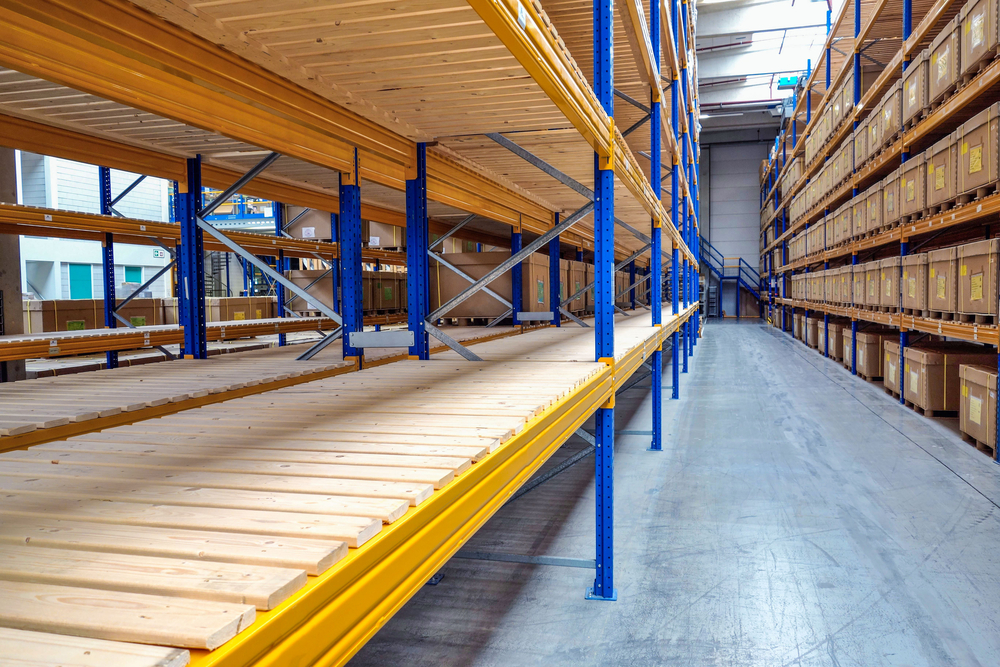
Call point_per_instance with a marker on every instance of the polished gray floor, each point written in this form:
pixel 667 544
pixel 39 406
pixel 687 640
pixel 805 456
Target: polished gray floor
pixel 797 517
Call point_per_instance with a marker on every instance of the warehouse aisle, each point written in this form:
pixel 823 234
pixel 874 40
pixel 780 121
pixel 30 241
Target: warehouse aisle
pixel 799 517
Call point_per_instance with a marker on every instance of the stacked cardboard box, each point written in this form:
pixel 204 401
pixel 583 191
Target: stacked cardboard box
pixel 978 403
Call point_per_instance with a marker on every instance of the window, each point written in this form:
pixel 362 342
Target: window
pixel 133 274
pixel 81 285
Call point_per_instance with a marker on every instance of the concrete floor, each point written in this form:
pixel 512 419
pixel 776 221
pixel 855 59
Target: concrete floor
pixel 798 516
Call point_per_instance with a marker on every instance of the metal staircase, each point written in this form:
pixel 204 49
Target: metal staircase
pixel 722 269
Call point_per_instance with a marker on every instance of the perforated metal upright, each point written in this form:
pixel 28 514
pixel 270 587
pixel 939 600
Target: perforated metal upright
pixel 675 184
pixel 192 265
pixel 417 266
pixel 516 277
pixel 335 262
pixel 108 261
pixel 555 279
pixel 281 266
pixel 604 299
pixel 656 249
pixel 350 256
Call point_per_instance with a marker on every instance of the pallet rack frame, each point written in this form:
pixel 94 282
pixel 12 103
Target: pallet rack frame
pixel 40 43
pixel 916 136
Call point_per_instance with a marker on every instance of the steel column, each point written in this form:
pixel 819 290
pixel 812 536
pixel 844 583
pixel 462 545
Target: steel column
pixel 656 251
pixel 350 257
pixel 555 279
pixel 279 289
pixel 417 265
pixel 904 337
pixel 335 262
pixel 192 266
pixel 108 262
pixel 516 278
pixel 604 301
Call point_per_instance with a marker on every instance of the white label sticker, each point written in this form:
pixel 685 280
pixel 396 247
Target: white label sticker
pixel 48 218
pixel 308 232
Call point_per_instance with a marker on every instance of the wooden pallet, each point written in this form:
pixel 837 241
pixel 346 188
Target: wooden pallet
pixel 980 445
pixel 930 413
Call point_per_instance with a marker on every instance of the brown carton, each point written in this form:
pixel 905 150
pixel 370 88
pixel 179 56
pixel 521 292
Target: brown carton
pixel 385 291
pixel 846 284
pixel 890 364
pixel 322 290
pixel 873 284
pixel 870 352
pixel 942 280
pixel 889 282
pixel 977 277
pixel 811 338
pixel 976 143
pixel 860 289
pixel 890 199
pixel 945 58
pixel 859 210
pixel 942 171
pixel 912 188
pixel 861 141
pixel 873 209
pixel 446 284
pixel 32 322
pixel 978 20
pixel 978 403
pixel 915 283
pixel 576 275
pixel 931 372
pixel 891 121
pixel 835 347
pixel 915 88
pixel 83 314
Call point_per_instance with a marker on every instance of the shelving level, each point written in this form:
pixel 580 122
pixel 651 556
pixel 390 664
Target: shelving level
pixel 338 499
pixel 880 211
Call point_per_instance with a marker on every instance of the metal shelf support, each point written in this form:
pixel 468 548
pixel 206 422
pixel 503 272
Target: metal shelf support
pixel 282 266
pixel 516 278
pixel 656 251
pixel 555 279
pixel 417 265
pixel 192 267
pixel 108 261
pixel 350 256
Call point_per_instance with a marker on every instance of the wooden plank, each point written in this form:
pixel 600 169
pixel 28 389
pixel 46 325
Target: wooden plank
pixel 387 426
pixel 313 556
pixel 413 493
pixel 355 531
pixel 129 617
pixel 473 448
pixel 436 477
pixel 459 465
pixel 263 587
pixel 21 648
pixel 139 491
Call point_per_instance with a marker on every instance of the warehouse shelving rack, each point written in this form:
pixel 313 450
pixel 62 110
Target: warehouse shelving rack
pixel 892 29
pixel 197 83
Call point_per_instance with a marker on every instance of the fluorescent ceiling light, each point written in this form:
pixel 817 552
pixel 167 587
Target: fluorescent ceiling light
pixel 720 115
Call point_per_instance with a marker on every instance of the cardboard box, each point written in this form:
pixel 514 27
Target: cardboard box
pixel 977 406
pixel 978 20
pixel 575 280
pixel 977 277
pixel 889 282
pixel 835 347
pixel 861 141
pixel 590 297
pixel 890 364
pixel 32 316
pixel 912 188
pixel 313 224
pixel 446 284
pixel 942 171
pixel 846 284
pixel 798 326
pixel 976 144
pixel 322 290
pixel 942 280
pixel 84 314
pixel 945 57
pixel 385 291
pixel 859 290
pixel 931 372
pixel 873 284
pixel 811 334
pixel 870 352
pixel 382 235
pixel 915 88
pixel 890 199
pixel 873 209
pixel 859 215
pixel 915 282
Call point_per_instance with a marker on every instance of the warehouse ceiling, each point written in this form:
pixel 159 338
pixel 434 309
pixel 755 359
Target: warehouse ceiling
pixel 744 47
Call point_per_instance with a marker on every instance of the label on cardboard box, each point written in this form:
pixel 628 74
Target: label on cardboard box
pixel 976 288
pixel 942 288
pixel 962 270
pixel 239 315
pixel 137 320
pixel 912 288
pixel 76 325
pixel 976 410
pixel 914 381
pixel 976 159
pixel 939 177
pixel 541 292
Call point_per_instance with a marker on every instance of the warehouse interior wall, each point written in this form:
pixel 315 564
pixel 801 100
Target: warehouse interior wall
pixel 733 215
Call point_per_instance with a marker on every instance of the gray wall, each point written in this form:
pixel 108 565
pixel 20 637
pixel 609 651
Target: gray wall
pixel 734 195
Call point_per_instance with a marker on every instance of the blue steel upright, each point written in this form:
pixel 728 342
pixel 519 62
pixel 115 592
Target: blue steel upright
pixel 335 262
pixel 675 185
pixel 604 299
pixel 281 267
pixel 192 266
pixel 350 257
pixel 555 279
pixel 516 278
pixel 656 249
pixel 417 267
pixel 108 262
